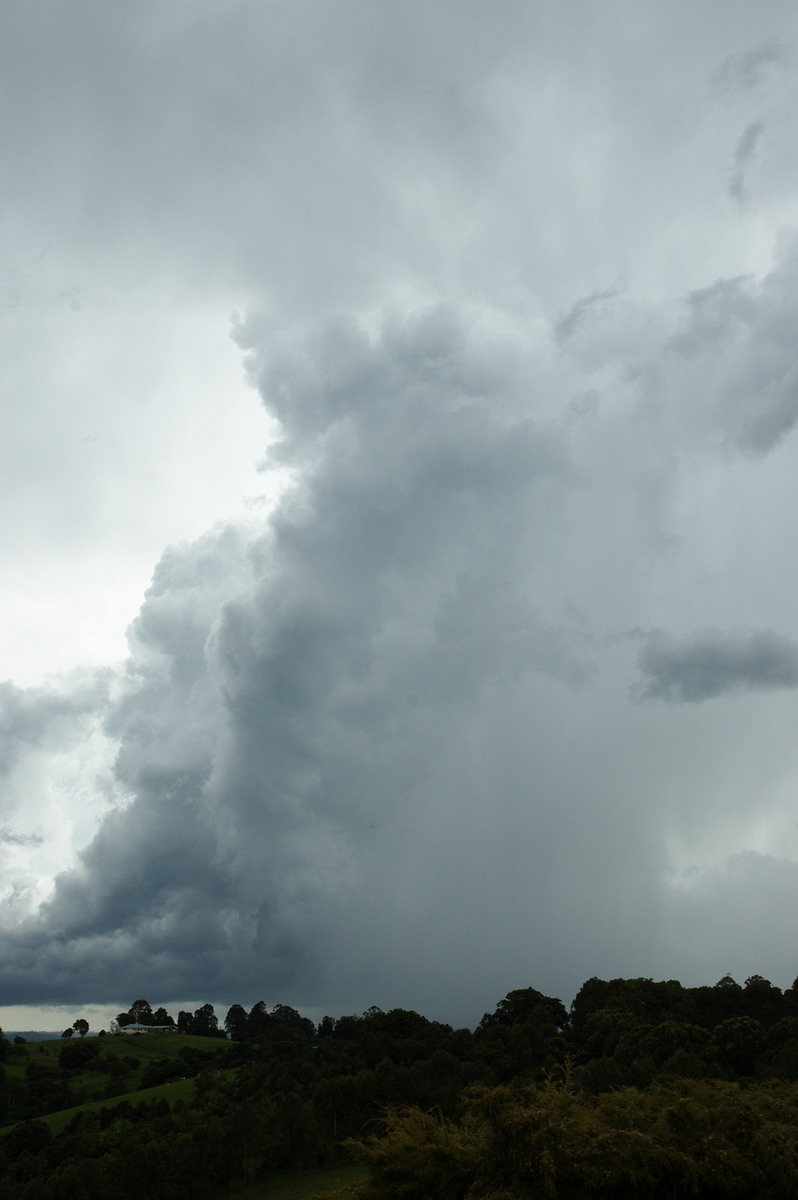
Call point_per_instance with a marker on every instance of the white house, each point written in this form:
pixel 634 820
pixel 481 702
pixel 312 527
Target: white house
pixel 135 1027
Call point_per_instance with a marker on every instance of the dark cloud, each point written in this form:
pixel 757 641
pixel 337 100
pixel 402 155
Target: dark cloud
pixel 743 154
pixel 733 364
pixel 10 837
pixel 713 663
pixel 716 312
pixel 579 312
pixel 747 68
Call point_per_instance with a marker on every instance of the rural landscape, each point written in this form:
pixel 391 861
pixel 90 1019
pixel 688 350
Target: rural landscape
pixel 644 1089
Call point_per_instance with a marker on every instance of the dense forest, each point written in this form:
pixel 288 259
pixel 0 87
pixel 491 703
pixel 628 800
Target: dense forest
pixel 643 1089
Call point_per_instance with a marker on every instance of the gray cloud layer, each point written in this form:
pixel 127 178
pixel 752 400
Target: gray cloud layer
pixel 379 746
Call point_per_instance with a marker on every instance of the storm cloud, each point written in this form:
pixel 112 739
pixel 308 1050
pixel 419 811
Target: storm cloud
pixel 288 692
pixel 712 663
pixel 301 697
pixel 521 378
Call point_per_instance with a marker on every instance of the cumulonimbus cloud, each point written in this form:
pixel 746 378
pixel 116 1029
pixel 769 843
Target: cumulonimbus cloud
pixel 360 693
pixel 288 686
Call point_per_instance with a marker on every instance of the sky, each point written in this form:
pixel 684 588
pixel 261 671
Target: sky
pixel 398 587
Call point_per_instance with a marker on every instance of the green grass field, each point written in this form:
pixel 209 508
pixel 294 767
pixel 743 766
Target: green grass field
pixel 90 1088
pixel 146 1047
pixel 179 1089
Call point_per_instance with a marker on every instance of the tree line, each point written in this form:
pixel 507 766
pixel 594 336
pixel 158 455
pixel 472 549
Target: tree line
pixel 287 1093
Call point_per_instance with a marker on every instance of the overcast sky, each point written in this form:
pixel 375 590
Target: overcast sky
pixel 398 468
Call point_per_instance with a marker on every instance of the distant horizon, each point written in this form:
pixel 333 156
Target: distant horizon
pixel 316 1014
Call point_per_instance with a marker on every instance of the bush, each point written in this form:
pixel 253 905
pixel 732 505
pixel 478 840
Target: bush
pixel 691 1138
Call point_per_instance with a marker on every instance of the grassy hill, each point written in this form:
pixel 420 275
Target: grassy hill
pixel 61 1076
pixel 113 1071
pixel 179 1089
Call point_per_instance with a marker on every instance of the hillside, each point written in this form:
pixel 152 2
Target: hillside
pixel 432 1111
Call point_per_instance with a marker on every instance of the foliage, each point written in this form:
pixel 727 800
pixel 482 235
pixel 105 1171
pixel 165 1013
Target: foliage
pixel 528 1006
pixel 645 1089
pixel 331 1182
pixel 705 1139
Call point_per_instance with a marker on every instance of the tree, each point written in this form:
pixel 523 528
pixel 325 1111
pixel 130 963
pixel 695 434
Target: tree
pixel 259 1021
pixel 729 1000
pixel 141 1012
pixel 736 1044
pixel 205 1022
pixel 591 997
pixel 527 1004
pixel 81 1026
pixel 669 1037
pixel 762 1000
pixel 76 1055
pixel 161 1017
pixel 236 1022
pixel 68 1033
pixel 284 1018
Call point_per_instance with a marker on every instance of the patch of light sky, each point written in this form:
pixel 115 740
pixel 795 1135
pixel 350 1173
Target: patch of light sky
pixel 160 437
